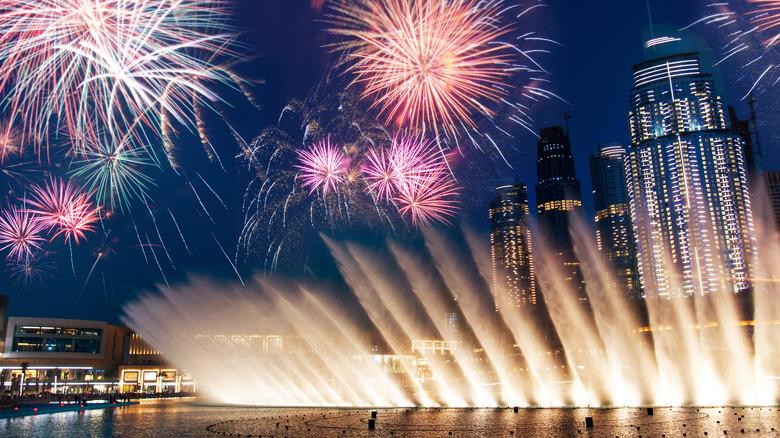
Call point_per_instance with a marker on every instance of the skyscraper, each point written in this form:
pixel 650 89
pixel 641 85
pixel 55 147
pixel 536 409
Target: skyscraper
pixel 510 243
pixel 743 129
pixel 614 234
pixel 558 195
pixel 686 179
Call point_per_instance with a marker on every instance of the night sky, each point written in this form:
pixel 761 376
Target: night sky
pixel 590 70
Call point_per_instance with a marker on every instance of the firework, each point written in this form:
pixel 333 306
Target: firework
pixel 10 141
pixel 118 63
pixel 20 232
pixel 397 167
pixel 33 267
pixel 428 63
pixel 413 159
pixel 428 196
pixel 282 221
pixel 750 31
pixel 114 173
pixel 60 205
pixel 766 16
pixel 324 165
pixel 15 177
pixel 379 174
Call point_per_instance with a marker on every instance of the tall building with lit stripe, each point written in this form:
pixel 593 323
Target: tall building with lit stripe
pixel 686 180
pixel 558 195
pixel 614 234
pixel 510 244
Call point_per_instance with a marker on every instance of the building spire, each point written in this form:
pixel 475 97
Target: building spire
pixel 650 19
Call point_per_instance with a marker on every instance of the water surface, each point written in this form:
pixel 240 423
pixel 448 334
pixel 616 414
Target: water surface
pixel 187 417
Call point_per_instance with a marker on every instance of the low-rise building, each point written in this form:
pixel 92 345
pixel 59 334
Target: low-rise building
pixel 55 355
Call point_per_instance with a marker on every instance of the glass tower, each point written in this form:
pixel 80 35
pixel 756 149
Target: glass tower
pixel 558 195
pixel 510 243
pixel 614 234
pixel 686 180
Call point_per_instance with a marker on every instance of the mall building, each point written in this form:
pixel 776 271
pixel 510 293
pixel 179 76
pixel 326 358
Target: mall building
pixel 63 356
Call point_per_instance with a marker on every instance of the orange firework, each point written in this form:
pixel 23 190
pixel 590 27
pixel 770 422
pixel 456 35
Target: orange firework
pixel 766 16
pixel 427 62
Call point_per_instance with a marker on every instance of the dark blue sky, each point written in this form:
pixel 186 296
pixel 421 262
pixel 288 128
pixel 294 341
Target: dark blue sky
pixel 591 70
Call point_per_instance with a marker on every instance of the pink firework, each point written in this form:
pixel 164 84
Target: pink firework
pixel 379 174
pixel 324 165
pixel 21 232
pixel 428 197
pixel 426 190
pixel 60 205
pixel 406 161
pixel 412 159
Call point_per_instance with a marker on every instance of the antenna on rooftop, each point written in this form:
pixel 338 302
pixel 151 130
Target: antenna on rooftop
pixel 758 156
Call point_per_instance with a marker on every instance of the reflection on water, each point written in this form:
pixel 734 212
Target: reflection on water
pixel 178 418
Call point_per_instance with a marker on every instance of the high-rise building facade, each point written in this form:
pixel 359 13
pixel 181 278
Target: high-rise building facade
pixel 686 179
pixel 614 234
pixel 558 196
pixel 510 243
pixel 743 129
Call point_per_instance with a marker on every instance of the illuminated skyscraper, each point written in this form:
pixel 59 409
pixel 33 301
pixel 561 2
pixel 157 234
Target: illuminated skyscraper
pixel 510 243
pixel 614 234
pixel 558 195
pixel 686 180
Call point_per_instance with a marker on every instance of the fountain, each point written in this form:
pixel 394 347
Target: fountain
pixel 417 327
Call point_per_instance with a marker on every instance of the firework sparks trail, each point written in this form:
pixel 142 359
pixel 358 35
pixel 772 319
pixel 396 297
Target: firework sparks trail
pixel 432 64
pixel 61 205
pixel 232 265
pixel 121 63
pixel 99 257
pixel 324 165
pixel 766 17
pixel 159 235
pixel 140 242
pixel 154 255
pixel 72 263
pixel 213 192
pixel 21 233
pixel 176 223
pixel 200 201
pixel 752 33
pixel 11 140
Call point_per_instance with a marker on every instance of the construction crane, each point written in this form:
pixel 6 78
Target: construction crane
pixel 566 117
pixel 758 157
